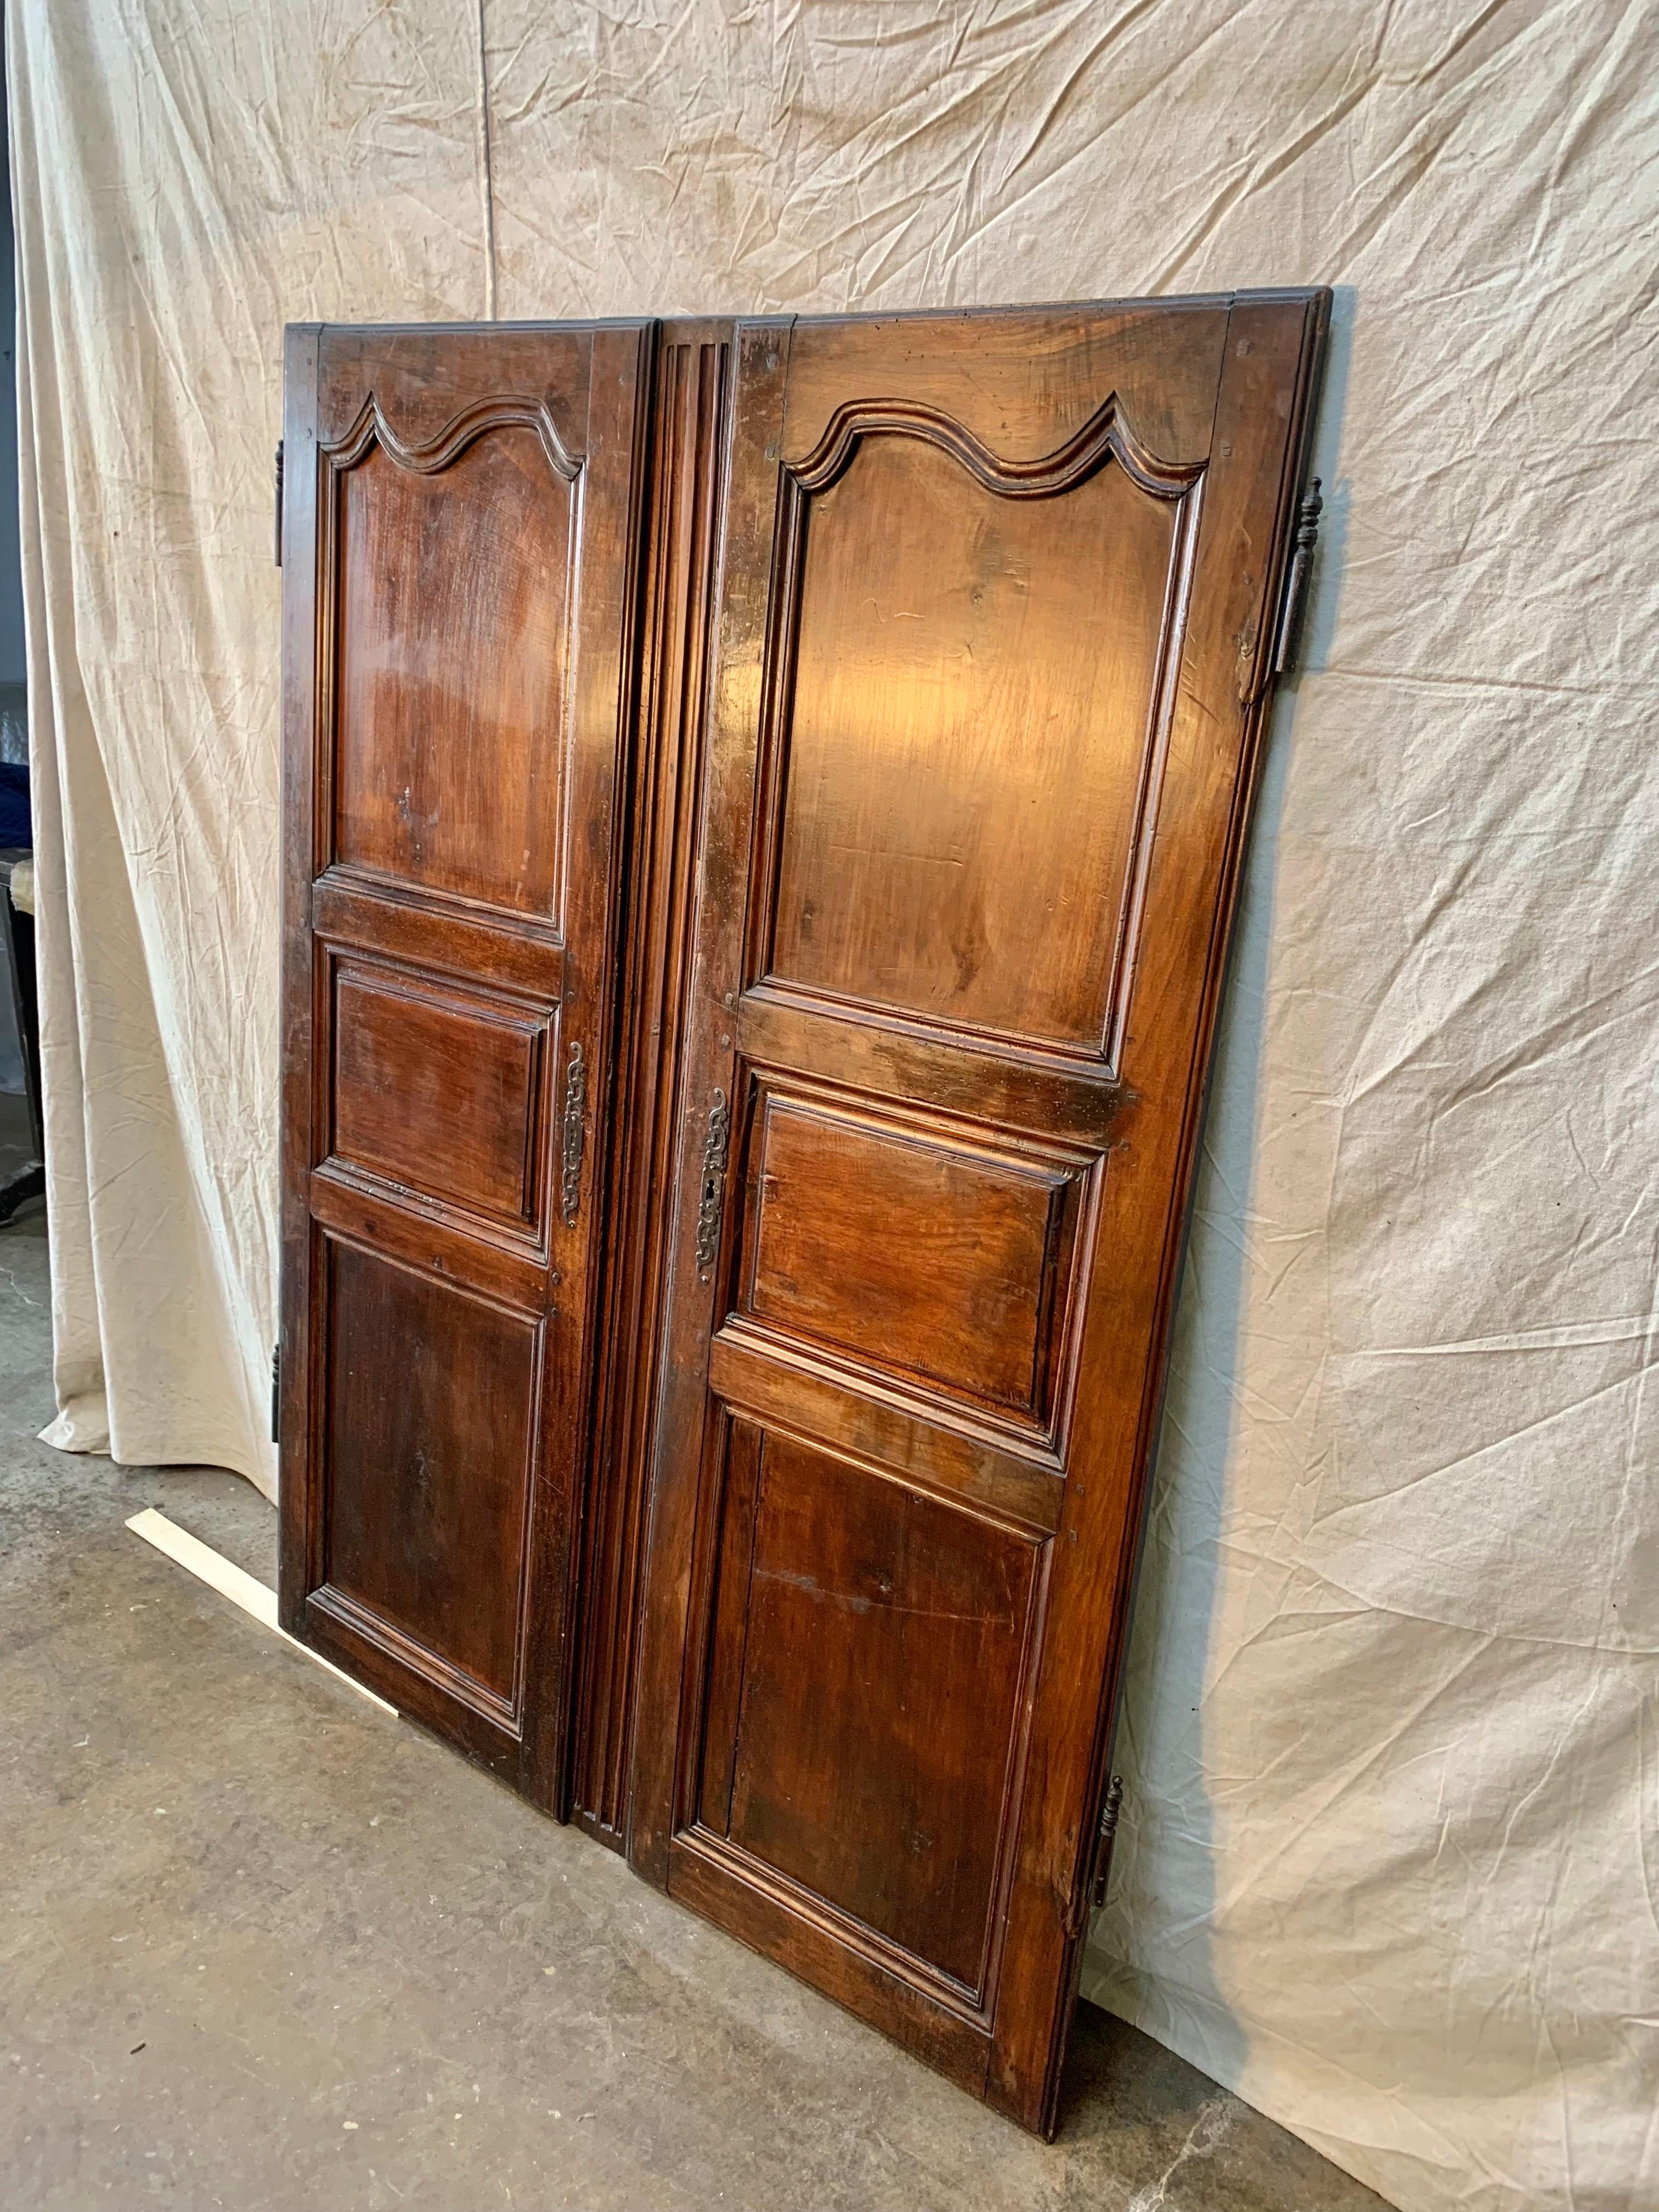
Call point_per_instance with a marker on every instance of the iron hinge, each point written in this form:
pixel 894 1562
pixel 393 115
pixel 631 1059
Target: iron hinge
pixel 275 1393
pixel 1296 584
pixel 279 502
pixel 1106 1836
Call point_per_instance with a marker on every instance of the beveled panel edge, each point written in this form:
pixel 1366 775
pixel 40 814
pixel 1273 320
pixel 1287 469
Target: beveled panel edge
pixel 941 1406
pixel 356 911
pixel 1018 1045
pixel 955 2043
pixel 1007 1477
pixel 427 457
pixel 1154 760
pixel 724 1596
pixel 756 1874
pixel 1106 432
pixel 802 1040
pixel 1043 1167
pixel 427 1238
pixel 410 1654
pixel 1032 1157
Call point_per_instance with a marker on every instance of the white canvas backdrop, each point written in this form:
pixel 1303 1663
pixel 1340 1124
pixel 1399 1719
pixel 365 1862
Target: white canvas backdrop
pixel 1389 1864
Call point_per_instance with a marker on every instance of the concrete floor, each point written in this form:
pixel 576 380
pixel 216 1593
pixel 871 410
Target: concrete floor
pixel 261 1947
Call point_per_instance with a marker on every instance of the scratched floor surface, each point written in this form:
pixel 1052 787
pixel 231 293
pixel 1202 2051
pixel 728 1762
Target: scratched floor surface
pixel 261 1947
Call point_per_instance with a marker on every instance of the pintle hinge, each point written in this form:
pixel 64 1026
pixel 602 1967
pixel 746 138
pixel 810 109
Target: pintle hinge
pixel 275 1393
pixel 279 502
pixel 1106 1836
pixel 1296 585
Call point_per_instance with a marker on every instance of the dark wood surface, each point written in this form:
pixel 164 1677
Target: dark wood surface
pixel 460 564
pixel 842 733
pixel 692 393
pixel 989 681
pixel 22 1167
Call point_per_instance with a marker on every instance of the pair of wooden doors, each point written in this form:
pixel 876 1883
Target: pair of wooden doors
pixel 764 807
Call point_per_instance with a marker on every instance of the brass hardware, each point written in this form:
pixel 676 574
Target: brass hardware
pixel 1296 590
pixel 713 1203
pixel 576 1116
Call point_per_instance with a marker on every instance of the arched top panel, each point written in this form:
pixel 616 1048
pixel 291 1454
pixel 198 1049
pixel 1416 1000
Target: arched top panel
pixel 428 457
pixel 1105 433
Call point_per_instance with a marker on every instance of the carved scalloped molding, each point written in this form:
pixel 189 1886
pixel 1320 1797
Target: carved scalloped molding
pixel 505 411
pixel 1105 432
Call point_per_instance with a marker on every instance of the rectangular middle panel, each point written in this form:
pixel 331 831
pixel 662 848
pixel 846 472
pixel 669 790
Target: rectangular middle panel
pixel 441 1088
pixel 924 1250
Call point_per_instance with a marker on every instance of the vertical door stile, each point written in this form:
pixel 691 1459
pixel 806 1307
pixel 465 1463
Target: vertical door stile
pixel 680 527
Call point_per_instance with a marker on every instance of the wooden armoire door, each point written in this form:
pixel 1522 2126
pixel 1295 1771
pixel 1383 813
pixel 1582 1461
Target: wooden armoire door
pixel 459 550
pixel 995 632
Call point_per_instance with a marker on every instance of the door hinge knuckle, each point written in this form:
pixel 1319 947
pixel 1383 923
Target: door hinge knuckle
pixel 1105 1836
pixel 279 502
pixel 1296 584
pixel 275 1393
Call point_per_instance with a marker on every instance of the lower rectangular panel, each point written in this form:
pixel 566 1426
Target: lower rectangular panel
pixel 864 1701
pixel 428 1448
pixel 785 1932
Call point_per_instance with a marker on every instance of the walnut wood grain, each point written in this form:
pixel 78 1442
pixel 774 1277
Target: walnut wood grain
pixel 692 391
pixel 461 556
pixel 763 810
pixel 989 680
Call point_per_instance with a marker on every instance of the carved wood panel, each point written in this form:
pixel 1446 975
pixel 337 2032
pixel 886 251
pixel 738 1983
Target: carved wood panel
pixel 869 1797
pixel 972 674
pixel 455 594
pixel 440 1089
pixel 429 1486
pixel 990 675
pixel 461 552
pixel 763 805
pixel 971 1304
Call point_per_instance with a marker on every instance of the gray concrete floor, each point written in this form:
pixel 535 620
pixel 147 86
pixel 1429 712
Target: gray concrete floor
pixel 261 1947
